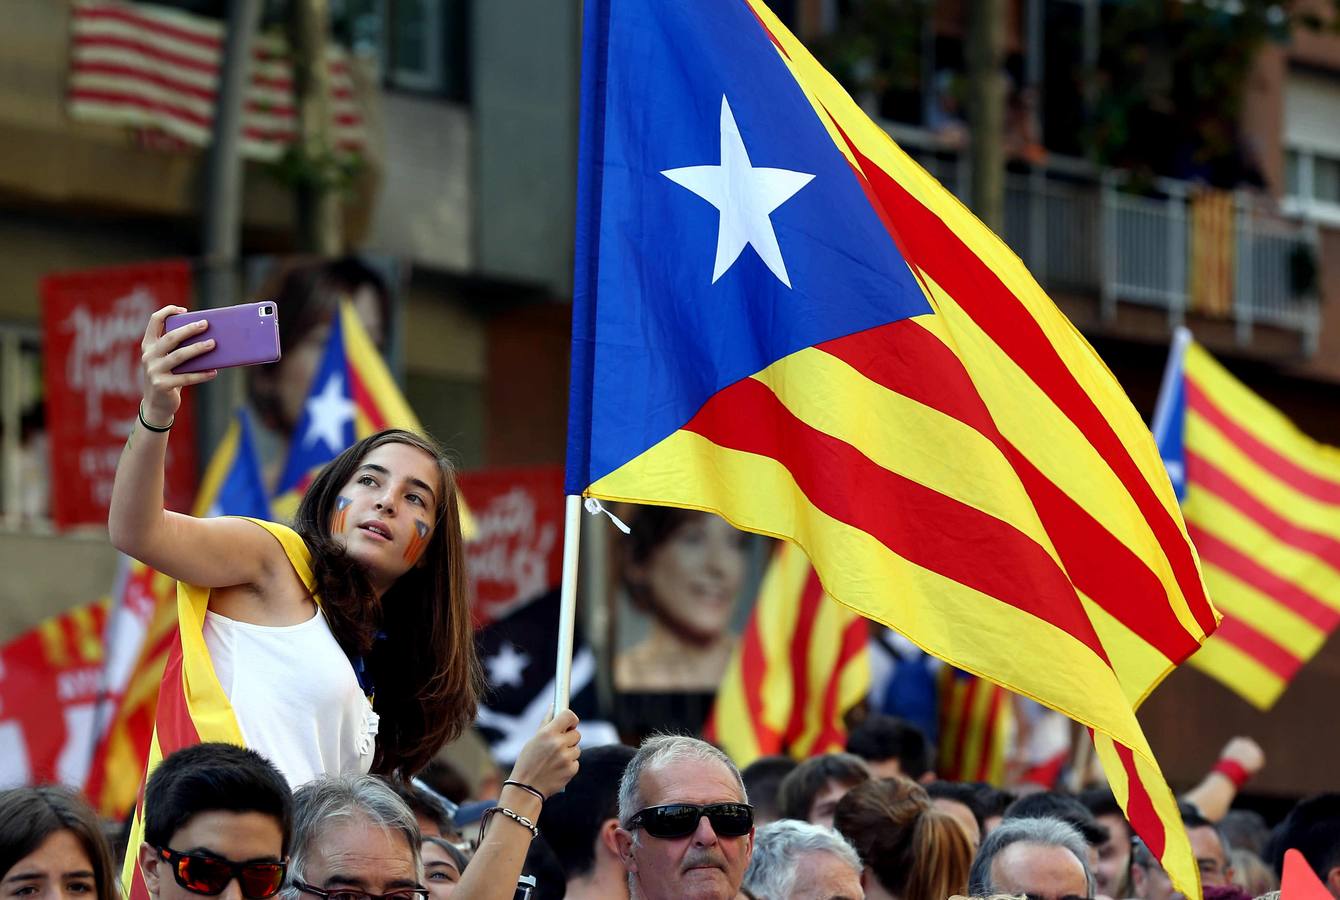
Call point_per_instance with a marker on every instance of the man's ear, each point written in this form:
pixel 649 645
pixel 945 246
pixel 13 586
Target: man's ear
pixel 623 840
pixel 1138 876
pixel 608 838
pixel 1333 882
pixel 150 868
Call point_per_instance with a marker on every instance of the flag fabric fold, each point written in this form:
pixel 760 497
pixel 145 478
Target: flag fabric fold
pixel 851 361
pixel 1262 503
pixel 801 664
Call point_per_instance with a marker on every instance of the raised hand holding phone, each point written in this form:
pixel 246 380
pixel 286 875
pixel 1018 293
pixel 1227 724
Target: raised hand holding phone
pixel 163 351
pixel 244 335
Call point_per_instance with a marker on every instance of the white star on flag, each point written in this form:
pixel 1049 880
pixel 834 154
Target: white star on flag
pixel 328 413
pixel 745 196
pixel 505 669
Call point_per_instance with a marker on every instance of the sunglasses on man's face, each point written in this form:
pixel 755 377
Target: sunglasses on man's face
pixel 209 875
pixel 676 820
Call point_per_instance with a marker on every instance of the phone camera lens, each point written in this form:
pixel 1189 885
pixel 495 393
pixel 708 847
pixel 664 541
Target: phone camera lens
pixel 267 310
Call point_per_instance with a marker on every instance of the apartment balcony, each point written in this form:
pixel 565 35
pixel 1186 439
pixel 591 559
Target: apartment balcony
pixel 52 158
pixel 1123 263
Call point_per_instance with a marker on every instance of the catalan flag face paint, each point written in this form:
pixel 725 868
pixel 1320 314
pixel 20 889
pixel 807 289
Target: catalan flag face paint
pixel 419 542
pixel 342 505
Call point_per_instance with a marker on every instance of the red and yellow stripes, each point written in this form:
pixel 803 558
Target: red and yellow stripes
pixel 1263 506
pixel 114 778
pixel 192 705
pixel 974 478
pixel 975 720
pixel 801 664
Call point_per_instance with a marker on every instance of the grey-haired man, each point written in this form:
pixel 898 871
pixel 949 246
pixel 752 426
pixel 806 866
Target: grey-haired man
pixel 686 829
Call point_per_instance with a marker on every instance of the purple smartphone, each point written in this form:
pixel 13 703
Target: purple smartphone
pixel 244 335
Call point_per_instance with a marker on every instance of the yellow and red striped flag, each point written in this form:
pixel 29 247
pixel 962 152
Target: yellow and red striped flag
pixel 801 664
pixel 975 721
pixel 1262 503
pixel 781 318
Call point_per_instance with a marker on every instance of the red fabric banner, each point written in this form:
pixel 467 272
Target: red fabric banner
pixel 50 679
pixel 517 552
pixel 92 325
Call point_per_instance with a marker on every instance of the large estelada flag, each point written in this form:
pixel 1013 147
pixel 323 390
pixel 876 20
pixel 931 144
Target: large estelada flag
pixel 1262 503
pixel 801 664
pixel 779 317
pixel 173 698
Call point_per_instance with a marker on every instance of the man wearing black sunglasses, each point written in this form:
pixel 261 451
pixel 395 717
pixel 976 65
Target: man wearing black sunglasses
pixel 217 822
pixel 687 829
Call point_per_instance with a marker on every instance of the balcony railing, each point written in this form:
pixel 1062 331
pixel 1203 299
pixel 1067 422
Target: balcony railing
pixel 1081 230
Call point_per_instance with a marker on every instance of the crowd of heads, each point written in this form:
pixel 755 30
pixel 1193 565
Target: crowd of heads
pixel 673 818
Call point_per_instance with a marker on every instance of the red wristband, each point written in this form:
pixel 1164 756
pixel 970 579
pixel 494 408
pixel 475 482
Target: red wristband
pixel 1233 771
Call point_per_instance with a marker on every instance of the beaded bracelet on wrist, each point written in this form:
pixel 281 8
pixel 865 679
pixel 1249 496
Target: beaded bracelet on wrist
pixel 510 814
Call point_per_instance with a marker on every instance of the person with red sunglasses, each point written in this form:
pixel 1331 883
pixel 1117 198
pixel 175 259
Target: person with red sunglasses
pixel 217 822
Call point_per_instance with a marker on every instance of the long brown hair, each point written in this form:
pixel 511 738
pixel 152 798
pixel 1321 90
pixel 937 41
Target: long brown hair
pixel 30 815
pixel 916 851
pixel 425 670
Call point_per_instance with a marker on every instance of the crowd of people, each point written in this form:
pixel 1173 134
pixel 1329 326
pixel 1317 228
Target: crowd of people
pixel 673 818
pixel 340 652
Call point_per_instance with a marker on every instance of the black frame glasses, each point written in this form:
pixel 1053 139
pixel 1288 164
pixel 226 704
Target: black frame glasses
pixel 676 820
pixel 212 870
pixel 421 893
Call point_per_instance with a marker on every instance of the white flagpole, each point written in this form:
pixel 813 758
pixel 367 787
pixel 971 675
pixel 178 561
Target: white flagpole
pixel 567 614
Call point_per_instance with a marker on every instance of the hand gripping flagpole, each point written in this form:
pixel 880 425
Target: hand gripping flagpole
pixel 567 610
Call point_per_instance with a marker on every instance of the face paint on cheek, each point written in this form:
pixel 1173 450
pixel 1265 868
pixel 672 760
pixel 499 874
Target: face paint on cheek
pixel 418 543
pixel 341 514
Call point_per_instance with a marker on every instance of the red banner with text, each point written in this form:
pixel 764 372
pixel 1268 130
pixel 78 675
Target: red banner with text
pixel 92 326
pixel 517 552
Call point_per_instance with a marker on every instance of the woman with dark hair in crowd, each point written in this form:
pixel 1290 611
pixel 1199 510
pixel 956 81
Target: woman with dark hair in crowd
pixel 52 847
pixel 910 849
pixel 345 644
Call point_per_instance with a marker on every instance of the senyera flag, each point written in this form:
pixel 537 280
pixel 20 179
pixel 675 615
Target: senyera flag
pixel 1262 503
pixel 781 318
pixel 173 699
pixel 801 664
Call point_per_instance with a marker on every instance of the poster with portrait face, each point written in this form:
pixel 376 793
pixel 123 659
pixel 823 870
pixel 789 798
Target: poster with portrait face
pixel 681 588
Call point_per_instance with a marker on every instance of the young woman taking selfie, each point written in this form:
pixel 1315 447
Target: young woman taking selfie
pixel 344 644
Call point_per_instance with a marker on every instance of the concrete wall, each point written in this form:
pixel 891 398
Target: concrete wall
pixel 423 211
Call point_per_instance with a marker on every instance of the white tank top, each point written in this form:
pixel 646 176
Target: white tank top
pixel 295 695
